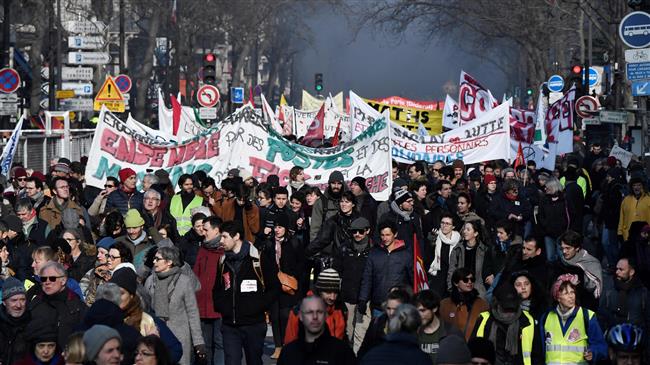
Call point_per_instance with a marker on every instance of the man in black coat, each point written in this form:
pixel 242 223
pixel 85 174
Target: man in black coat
pixel 13 320
pixel 315 345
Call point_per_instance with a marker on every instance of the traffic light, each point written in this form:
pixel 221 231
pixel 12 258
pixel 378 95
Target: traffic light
pixel 318 82
pixel 529 91
pixel 575 78
pixel 209 69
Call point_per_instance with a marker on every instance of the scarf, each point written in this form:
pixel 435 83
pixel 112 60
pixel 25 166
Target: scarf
pixel 361 245
pixel 58 206
pixel 564 316
pixel 126 190
pixel 511 320
pixel 278 250
pixel 395 208
pixel 464 298
pixel 235 259
pixel 591 268
pixel 525 304
pixel 297 184
pixel 440 239
pixel 138 240
pixel 27 226
pixel 215 243
pixel 38 197
pixel 161 292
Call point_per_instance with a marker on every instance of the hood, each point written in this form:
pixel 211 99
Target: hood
pixel 103 312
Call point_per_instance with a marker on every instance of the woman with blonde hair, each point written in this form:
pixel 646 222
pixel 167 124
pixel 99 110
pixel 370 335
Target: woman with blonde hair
pixel 82 255
pixel 75 350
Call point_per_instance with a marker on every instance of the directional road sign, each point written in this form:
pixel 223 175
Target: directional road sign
pixel 237 95
pixel 641 88
pixel 555 83
pixel 71 73
pixel 618 117
pixel 85 26
pixel 638 71
pixel 123 82
pixel 9 80
pixel 634 29
pixel 207 96
pixel 77 104
pixel 86 42
pixel 88 58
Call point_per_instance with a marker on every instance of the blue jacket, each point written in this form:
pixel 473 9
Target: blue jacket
pixel 122 202
pixel 385 270
pixel 595 336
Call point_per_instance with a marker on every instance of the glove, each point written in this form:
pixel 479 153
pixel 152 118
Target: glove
pixel 201 354
pixel 362 307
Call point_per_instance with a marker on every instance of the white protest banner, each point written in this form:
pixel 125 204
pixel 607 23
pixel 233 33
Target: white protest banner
pixel 310 102
pixel 332 119
pixel 241 141
pixel 540 117
pixel 474 100
pixel 485 138
pixel 188 127
pixel 522 132
pixel 155 135
pixel 559 122
pixel 622 155
pixel 302 120
pixel 362 115
pixel 450 113
pixel 269 115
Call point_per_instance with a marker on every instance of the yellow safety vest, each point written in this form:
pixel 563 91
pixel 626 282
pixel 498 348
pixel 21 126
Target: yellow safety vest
pixel 527 334
pixel 183 217
pixel 566 348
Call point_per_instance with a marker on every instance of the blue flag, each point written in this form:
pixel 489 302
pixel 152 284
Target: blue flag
pixel 10 148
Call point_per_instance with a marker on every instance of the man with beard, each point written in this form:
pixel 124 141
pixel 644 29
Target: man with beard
pixel 136 239
pixel 628 302
pixel 315 344
pixel 432 329
pixel 366 204
pixel 182 204
pixel 126 197
pixel 155 217
pixel 52 213
pixel 328 204
pixel 13 320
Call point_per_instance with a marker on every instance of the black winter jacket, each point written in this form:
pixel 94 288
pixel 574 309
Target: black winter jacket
pixel 325 350
pixel 65 308
pixel 553 218
pixel 13 338
pixel 292 262
pixel 350 264
pixel 399 348
pixel 385 270
pixel 333 235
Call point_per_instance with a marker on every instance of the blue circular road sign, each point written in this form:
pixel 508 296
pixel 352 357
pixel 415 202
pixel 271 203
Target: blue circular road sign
pixel 634 29
pixel 555 83
pixel 9 80
pixel 594 77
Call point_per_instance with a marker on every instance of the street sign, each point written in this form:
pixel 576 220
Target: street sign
pixel 611 116
pixel 590 121
pixel 71 73
pixel 9 80
pixel 237 95
pixel 88 58
pixel 585 105
pixel 555 83
pixel 79 88
pixel 86 42
pixel 208 113
pixel 85 26
pixel 641 88
pixel 123 83
pixel 634 29
pixel 207 96
pixel 637 55
pixel 64 94
pixel 8 104
pixel 638 71
pixel 594 77
pixel 77 104
pixel 110 96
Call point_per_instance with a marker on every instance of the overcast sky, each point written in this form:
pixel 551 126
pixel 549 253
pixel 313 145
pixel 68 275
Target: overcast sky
pixel 376 64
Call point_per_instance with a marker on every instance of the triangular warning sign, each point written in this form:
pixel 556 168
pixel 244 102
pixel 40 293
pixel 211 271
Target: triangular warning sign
pixel 109 91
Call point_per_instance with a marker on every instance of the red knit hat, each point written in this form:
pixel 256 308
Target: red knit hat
pixel 489 178
pixel 125 173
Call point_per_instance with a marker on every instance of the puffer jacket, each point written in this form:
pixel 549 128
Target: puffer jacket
pixel 385 270
pixel 122 202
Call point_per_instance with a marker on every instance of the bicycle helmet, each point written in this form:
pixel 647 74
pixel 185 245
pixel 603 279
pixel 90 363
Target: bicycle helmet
pixel 625 337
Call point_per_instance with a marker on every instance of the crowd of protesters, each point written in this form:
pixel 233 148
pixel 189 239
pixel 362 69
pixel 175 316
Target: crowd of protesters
pixel 522 265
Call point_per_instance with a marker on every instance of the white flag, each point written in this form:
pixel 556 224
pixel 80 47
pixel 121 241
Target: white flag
pixel 10 148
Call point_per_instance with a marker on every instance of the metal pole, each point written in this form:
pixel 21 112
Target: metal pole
pixel 59 56
pixel 6 31
pixel 51 92
pixel 122 38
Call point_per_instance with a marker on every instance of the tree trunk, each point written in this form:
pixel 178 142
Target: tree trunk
pixel 239 63
pixel 143 77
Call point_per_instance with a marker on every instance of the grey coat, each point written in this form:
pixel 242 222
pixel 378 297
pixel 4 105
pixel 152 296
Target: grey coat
pixel 457 260
pixel 184 320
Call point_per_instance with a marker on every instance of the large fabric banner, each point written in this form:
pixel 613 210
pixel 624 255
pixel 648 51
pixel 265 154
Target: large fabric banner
pixel 450 113
pixel 9 151
pixel 474 100
pixel 559 123
pixel 486 138
pixel 188 127
pixel 335 119
pixel 244 141
pixel 415 104
pixel 310 102
pixel 362 115
pixel 409 117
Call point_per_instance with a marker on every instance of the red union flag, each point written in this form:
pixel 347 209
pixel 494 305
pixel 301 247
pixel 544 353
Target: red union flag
pixel 420 281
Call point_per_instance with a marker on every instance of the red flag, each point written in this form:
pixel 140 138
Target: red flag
pixel 520 160
pixel 335 139
pixel 315 130
pixel 176 114
pixel 420 281
pixel 250 96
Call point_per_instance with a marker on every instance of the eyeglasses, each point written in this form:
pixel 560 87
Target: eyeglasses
pixel 142 353
pixel 107 186
pixel 357 231
pixel 468 279
pixel 111 257
pixel 446 224
pixel 51 279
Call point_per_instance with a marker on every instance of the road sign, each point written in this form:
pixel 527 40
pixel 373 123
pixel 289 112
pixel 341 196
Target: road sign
pixel 208 113
pixel 88 58
pixel 641 88
pixel 64 94
pixel 123 83
pixel 638 71
pixel 207 96
pixel 611 116
pixel 79 88
pixel 555 83
pixel 86 42
pixel 110 96
pixel 594 77
pixel 634 29
pixel 85 26
pixel 637 55
pixel 9 80
pixel 77 104
pixel 590 121
pixel 71 73
pixel 8 104
pixel 585 105
pixel 237 95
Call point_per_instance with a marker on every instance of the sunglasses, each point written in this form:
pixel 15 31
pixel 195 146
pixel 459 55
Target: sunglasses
pixel 357 231
pixel 111 257
pixel 21 179
pixel 468 279
pixel 51 279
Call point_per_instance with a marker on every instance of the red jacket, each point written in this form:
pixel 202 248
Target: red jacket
pixel 336 321
pixel 205 269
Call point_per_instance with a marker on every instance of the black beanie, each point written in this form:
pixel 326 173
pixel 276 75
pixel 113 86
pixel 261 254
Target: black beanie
pixel 126 279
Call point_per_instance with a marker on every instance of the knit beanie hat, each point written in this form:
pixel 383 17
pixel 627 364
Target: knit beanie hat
pixel 489 178
pixel 163 177
pixel 11 287
pixel 126 279
pixel 361 182
pixel 555 289
pixel 506 296
pixel 328 280
pixel 133 219
pixel 106 243
pixel 20 172
pixel 125 173
pixel 336 176
pixel 401 196
pixel 62 167
pixel 454 350
pixel 96 337
pixel 482 348
pixel 399 184
pixel 38 175
pixel 13 223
